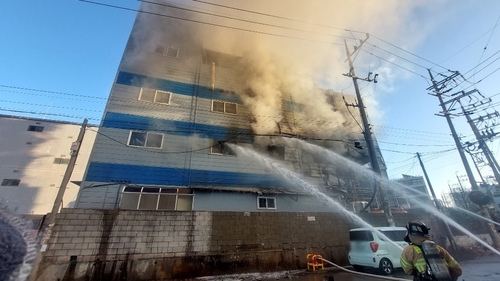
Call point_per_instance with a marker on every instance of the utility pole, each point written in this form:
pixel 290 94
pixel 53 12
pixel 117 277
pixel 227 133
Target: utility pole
pixel 446 114
pixel 438 205
pixel 438 86
pixel 462 192
pixel 75 148
pixel 368 134
pixel 482 144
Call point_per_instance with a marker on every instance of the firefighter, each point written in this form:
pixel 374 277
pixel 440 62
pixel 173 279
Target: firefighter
pixel 425 260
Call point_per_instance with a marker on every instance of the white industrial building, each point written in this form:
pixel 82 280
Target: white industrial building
pixel 33 159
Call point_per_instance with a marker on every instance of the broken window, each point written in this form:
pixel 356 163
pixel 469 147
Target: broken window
pixel 276 151
pixel 221 148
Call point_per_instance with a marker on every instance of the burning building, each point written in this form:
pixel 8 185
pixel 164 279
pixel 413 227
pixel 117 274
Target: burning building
pixel 185 93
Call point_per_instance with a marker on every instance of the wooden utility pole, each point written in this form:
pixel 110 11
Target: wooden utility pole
pixel 368 134
pixel 449 234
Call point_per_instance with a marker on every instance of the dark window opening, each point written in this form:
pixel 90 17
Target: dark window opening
pixel 33 128
pixel 220 59
pixel 61 160
pixel 276 152
pixel 11 182
pixel 221 148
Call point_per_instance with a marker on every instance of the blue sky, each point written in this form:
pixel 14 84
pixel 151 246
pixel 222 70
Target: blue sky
pixel 70 50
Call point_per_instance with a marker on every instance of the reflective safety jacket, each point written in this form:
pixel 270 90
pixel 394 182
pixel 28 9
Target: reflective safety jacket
pixel 413 261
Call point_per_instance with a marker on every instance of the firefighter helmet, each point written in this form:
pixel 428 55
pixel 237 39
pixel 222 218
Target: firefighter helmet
pixel 417 228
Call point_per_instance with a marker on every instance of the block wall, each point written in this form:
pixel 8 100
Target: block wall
pixel 155 245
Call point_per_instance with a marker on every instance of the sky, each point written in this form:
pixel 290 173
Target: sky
pixel 60 57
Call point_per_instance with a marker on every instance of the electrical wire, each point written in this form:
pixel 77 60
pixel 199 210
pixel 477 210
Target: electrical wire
pixel 408 144
pixel 411 130
pixel 316 24
pixel 51 92
pixel 486 46
pixel 240 19
pixel 207 23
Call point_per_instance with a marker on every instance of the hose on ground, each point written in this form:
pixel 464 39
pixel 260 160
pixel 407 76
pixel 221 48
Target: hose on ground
pixel 364 274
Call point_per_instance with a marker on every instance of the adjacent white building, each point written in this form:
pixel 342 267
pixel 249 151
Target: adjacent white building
pixel 33 159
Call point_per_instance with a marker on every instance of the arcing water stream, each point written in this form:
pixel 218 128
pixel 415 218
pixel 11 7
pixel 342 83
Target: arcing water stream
pixel 297 179
pixel 334 157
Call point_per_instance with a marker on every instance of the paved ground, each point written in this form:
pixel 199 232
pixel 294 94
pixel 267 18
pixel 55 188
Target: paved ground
pixel 486 268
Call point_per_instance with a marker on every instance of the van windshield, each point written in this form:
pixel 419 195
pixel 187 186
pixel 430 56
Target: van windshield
pixel 394 235
pixel 360 235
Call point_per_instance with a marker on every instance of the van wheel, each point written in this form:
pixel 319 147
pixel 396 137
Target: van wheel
pixel 386 266
pixel 357 267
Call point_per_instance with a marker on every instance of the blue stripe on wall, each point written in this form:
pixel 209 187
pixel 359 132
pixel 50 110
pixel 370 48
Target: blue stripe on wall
pixel 143 123
pixel 131 79
pixel 108 172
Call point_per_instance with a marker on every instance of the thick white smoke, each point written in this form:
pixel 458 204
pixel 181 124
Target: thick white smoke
pixel 301 55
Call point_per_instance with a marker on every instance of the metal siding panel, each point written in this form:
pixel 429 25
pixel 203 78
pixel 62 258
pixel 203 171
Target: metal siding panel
pixel 138 80
pixel 113 149
pixel 224 201
pixel 135 122
pixel 109 172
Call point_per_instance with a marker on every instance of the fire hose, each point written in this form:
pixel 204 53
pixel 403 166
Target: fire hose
pixel 364 274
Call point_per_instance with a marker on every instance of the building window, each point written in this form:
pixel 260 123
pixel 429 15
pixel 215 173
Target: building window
pixel 11 182
pixel 155 96
pixel 221 148
pixel 276 151
pixel 61 160
pixel 224 107
pixel 145 139
pixel 33 128
pixel 266 203
pixel 167 51
pixel 156 198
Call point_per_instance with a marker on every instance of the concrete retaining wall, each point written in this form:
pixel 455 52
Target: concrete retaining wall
pixel 154 245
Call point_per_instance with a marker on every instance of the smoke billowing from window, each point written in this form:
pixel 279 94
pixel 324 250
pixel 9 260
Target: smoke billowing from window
pixel 295 62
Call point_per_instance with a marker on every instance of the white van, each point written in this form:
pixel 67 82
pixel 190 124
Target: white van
pixel 370 249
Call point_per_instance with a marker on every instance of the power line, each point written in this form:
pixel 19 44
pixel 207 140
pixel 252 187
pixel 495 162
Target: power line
pixel 207 23
pixel 46 113
pixel 402 67
pixel 239 19
pixel 408 144
pixel 406 51
pixel 51 92
pixel 322 25
pixel 486 46
pixel 410 130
